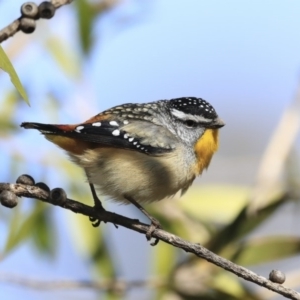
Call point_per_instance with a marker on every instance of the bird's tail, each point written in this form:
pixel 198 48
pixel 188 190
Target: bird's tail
pixel 47 128
pixel 61 135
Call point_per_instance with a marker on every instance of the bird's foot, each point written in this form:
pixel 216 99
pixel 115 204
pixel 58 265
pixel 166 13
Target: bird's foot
pixel 154 222
pixel 96 221
pixel 153 226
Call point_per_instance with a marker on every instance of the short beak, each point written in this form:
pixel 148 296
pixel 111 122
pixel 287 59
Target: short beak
pixel 216 123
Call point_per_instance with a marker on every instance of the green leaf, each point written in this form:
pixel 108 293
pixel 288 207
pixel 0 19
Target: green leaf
pixel 21 227
pixel 214 203
pixel 43 234
pixel 89 240
pixel 86 15
pixel 267 249
pixel 102 260
pixel 243 224
pixel 64 56
pixel 7 67
pixel 7 112
pixel 227 286
pixel 164 258
pixel 11 241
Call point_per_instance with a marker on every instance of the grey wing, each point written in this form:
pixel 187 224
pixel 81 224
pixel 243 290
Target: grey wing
pixel 155 137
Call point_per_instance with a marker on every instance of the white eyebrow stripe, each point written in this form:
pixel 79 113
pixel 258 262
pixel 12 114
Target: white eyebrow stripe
pixel 184 117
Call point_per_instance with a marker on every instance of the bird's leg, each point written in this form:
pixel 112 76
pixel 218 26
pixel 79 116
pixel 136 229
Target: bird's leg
pixel 97 201
pixel 154 222
pixel 97 205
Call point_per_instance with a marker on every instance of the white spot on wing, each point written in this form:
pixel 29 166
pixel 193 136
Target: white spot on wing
pixel 131 139
pixel 79 128
pixel 97 124
pixel 116 132
pixel 114 123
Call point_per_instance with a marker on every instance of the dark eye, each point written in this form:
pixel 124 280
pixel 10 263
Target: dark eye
pixel 190 123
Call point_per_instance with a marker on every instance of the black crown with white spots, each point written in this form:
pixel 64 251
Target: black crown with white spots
pixel 194 106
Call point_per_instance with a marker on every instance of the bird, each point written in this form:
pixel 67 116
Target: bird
pixel 141 152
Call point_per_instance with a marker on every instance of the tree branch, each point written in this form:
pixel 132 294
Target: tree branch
pixel 30 191
pixel 14 27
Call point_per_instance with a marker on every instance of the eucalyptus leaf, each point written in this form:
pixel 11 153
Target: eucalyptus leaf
pixel 7 67
pixel 89 240
pixel 43 234
pixel 86 15
pixel 243 224
pixel 267 249
pixel 21 228
pixel 64 57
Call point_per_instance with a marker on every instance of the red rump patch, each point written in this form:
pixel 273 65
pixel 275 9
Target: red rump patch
pixel 66 127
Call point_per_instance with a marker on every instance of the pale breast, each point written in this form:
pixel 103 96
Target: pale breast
pixel 119 172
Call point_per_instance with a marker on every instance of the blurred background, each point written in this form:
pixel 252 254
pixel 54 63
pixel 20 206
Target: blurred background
pixel 241 56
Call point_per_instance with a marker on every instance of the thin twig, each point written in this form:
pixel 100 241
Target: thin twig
pixel 109 217
pixel 119 286
pixel 14 27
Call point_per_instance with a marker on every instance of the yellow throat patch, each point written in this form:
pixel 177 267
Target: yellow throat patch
pixel 205 147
